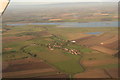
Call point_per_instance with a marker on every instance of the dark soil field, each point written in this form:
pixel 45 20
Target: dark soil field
pixel 27 67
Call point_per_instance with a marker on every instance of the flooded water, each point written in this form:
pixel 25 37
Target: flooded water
pixel 91 24
pixel 94 33
pixel 74 24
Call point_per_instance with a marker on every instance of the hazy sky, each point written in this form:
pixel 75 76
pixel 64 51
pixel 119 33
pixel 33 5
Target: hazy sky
pixel 51 1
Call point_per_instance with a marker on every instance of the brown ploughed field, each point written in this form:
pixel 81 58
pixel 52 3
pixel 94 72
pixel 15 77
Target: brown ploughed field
pixel 105 43
pixel 104 50
pixel 30 67
pixel 96 73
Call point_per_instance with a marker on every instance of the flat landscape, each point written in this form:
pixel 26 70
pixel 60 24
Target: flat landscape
pixel 54 46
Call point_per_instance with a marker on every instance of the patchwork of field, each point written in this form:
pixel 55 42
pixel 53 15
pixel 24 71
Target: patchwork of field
pixel 97 73
pixel 101 62
pixel 49 51
pixel 29 67
pixel 61 40
pixel 103 40
pixel 104 50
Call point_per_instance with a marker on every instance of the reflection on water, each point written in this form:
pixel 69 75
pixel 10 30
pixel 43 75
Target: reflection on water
pixel 74 24
pixel 94 33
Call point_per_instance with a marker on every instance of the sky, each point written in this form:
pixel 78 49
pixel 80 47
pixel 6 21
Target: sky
pixel 52 1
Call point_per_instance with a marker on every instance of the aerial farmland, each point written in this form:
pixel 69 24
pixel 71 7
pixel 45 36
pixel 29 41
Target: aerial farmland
pixel 60 41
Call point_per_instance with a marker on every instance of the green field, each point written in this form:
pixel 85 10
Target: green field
pixel 20 49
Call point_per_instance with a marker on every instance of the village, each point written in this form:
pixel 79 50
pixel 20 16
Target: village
pixel 62 46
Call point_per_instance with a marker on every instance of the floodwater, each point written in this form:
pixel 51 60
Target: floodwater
pixel 94 33
pixel 73 24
